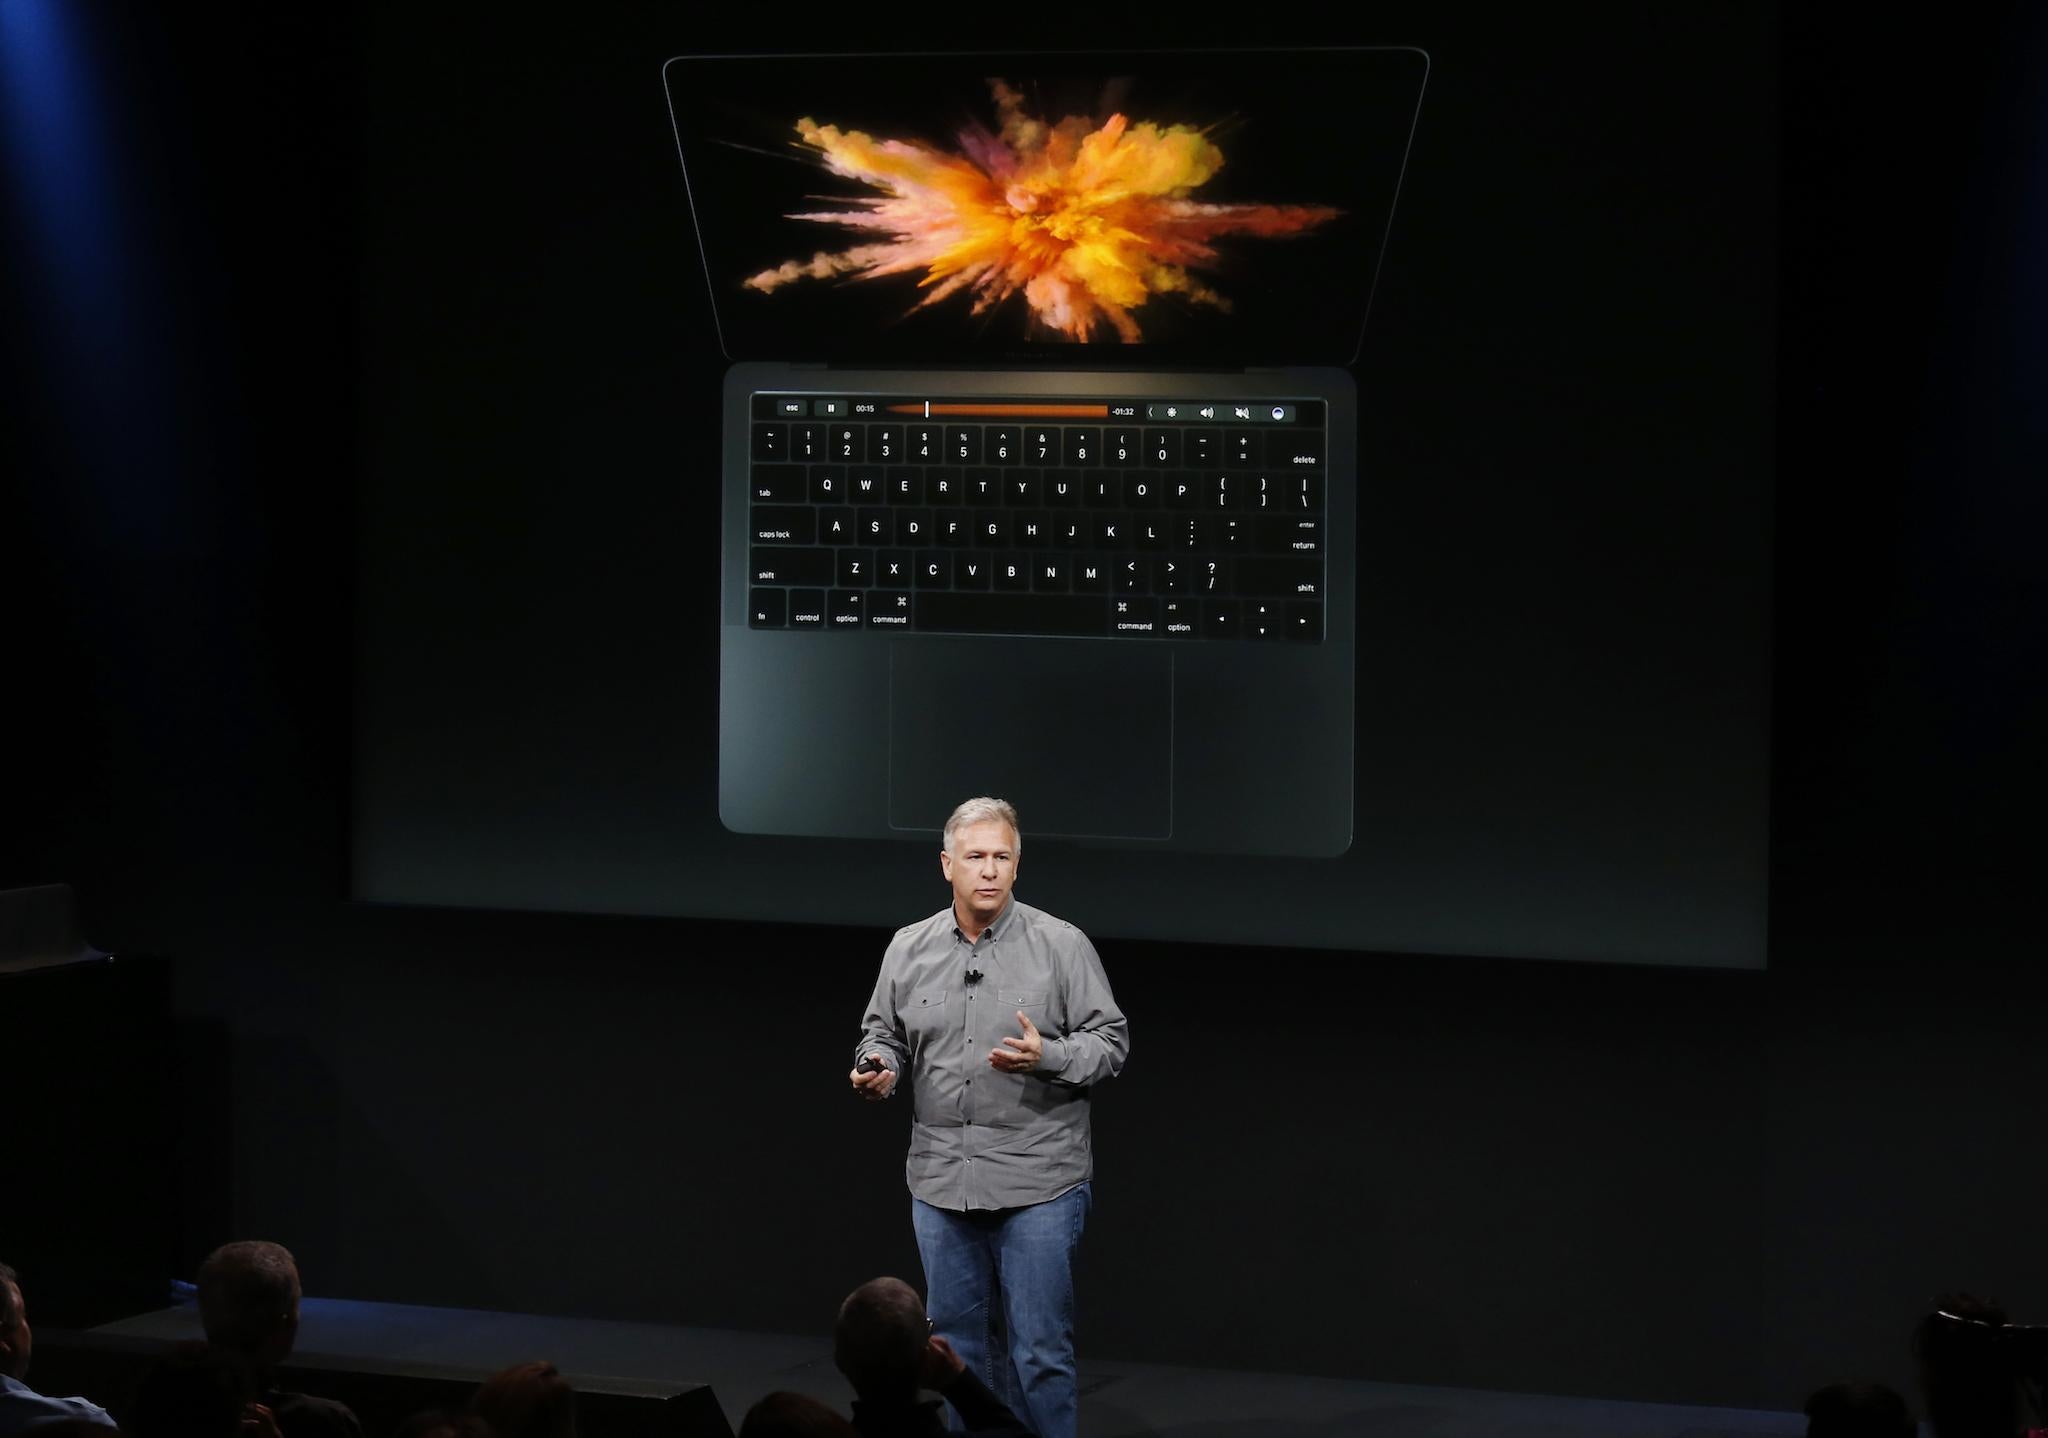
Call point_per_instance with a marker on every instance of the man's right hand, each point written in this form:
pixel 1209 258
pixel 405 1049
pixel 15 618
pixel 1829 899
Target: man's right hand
pixel 879 1083
pixel 940 1365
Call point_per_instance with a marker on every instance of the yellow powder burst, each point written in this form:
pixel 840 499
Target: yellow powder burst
pixel 1087 223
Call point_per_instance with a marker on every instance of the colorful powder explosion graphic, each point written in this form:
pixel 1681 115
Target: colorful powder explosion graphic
pixel 1087 222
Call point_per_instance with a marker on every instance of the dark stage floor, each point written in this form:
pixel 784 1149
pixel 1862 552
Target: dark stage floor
pixel 1119 1400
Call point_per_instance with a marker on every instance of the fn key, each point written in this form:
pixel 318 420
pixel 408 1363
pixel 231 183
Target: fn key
pixel 768 609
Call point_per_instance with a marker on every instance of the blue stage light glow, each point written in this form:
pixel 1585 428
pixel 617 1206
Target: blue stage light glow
pixel 57 163
pixel 90 285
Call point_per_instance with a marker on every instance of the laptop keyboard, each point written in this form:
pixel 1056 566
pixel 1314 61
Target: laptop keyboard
pixel 1142 519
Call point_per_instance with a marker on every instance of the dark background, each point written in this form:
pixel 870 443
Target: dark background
pixel 1683 1185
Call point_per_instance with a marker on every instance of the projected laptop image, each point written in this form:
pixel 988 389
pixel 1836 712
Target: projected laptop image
pixel 1039 459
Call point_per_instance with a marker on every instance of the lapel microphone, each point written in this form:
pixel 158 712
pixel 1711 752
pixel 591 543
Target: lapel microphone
pixel 973 977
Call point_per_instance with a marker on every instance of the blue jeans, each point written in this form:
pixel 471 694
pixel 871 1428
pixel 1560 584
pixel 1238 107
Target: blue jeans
pixel 1000 1286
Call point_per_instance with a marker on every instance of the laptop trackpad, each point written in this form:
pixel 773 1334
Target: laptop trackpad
pixel 1077 734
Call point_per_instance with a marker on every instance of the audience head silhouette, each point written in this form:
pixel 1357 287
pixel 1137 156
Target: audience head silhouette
pixel 15 1337
pixel 880 1339
pixel 249 1302
pixel 527 1400
pixel 1966 1374
pixel 22 1409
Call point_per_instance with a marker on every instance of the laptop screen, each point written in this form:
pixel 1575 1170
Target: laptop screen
pixel 1221 208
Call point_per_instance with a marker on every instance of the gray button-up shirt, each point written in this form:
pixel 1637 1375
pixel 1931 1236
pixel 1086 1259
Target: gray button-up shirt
pixel 981 1138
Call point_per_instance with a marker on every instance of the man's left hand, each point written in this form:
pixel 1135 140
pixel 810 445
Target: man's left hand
pixel 1019 1056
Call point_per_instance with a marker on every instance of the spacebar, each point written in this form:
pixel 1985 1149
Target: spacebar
pixel 950 613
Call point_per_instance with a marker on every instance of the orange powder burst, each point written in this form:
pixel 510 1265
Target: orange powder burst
pixel 1086 222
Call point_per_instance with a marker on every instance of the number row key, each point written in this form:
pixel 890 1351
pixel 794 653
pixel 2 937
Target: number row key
pixel 1075 447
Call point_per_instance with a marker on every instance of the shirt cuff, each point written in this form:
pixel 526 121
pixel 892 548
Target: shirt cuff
pixel 1053 1057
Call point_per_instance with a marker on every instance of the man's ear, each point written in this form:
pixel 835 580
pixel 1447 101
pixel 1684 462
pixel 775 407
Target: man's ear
pixel 946 865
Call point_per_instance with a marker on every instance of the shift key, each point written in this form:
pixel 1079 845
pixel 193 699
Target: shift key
pixel 809 567
pixel 1263 575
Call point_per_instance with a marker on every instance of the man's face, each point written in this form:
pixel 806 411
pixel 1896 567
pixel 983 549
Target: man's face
pixel 14 1343
pixel 981 866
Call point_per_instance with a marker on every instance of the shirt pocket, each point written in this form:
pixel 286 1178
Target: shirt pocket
pixel 924 1015
pixel 1032 1001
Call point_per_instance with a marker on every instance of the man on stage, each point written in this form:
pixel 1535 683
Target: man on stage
pixel 1003 1018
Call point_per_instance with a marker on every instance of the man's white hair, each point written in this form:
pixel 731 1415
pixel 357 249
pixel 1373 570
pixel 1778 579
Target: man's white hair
pixel 983 811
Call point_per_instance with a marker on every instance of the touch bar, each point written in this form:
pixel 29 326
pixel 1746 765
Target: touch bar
pixel 1005 411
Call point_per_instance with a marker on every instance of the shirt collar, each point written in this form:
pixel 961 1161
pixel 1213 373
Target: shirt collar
pixel 998 928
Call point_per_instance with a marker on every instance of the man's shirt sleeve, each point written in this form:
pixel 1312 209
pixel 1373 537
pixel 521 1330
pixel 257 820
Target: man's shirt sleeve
pixel 1098 1036
pixel 881 1029
pixel 23 1410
